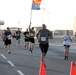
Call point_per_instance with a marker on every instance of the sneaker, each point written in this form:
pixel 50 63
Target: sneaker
pixel 30 50
pixel 44 65
pixel 25 46
pixel 65 58
pixel 9 52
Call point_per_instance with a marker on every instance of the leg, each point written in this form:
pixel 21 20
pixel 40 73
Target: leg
pixel 44 49
pixel 27 44
pixel 44 52
pixel 4 44
pixel 66 51
pixel 32 44
pixel 18 41
pixel 9 47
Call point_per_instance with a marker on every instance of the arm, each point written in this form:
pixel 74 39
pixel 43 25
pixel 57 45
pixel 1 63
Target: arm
pixel 34 33
pixel 50 35
pixel 5 35
pixel 29 28
pixel 37 34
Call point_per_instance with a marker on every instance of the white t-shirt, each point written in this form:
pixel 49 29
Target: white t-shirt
pixel 66 39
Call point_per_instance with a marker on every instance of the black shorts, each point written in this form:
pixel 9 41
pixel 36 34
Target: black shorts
pixel 7 42
pixel 44 48
pixel 27 40
pixel 67 46
pixel 32 40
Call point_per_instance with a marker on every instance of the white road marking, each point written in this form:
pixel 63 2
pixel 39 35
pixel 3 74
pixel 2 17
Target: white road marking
pixel 3 56
pixel 11 63
pixel 20 72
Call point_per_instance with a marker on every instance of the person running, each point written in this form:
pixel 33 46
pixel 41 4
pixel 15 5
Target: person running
pixel 66 43
pixel 26 38
pixel 8 36
pixel 18 36
pixel 31 38
pixel 43 35
pixel 3 38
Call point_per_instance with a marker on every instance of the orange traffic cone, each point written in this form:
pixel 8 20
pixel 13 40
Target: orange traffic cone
pixel 73 68
pixel 42 69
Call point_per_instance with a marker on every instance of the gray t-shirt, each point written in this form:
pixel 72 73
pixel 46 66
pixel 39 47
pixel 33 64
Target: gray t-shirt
pixel 42 36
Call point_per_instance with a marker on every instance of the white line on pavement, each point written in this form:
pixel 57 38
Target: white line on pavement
pixel 20 72
pixel 11 63
pixel 3 56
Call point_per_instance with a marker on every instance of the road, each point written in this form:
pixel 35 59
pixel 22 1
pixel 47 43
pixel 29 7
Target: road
pixel 22 62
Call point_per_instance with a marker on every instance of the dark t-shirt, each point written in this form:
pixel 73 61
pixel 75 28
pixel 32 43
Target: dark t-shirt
pixel 18 33
pixel 26 34
pixel 8 34
pixel 32 33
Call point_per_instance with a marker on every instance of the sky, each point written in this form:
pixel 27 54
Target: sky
pixel 56 14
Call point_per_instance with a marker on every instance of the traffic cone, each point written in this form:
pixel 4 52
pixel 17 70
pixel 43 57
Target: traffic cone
pixel 42 70
pixel 73 68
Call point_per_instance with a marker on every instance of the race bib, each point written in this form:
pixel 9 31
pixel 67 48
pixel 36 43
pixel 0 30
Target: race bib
pixel 43 38
pixel 17 34
pixel 68 41
pixel 27 35
pixel 32 34
pixel 9 36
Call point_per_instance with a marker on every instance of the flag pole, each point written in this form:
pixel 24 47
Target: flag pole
pixel 30 16
pixel 37 3
pixel 31 13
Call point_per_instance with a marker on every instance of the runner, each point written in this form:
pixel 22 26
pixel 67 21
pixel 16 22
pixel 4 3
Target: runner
pixel 43 35
pixel 66 43
pixel 3 38
pixel 26 38
pixel 18 36
pixel 31 38
pixel 8 36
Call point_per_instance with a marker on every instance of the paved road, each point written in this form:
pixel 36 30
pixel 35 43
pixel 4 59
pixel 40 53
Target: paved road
pixel 22 62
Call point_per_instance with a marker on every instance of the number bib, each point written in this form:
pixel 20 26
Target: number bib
pixel 43 38
pixel 32 34
pixel 9 36
pixel 27 35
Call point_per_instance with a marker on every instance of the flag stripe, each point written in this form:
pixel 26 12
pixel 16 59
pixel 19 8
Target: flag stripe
pixel 35 6
pixel 37 1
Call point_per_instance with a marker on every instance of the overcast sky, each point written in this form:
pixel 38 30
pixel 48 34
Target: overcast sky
pixel 57 14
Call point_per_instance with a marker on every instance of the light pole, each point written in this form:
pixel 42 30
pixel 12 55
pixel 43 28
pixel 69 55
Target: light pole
pixel 49 19
pixel 43 11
